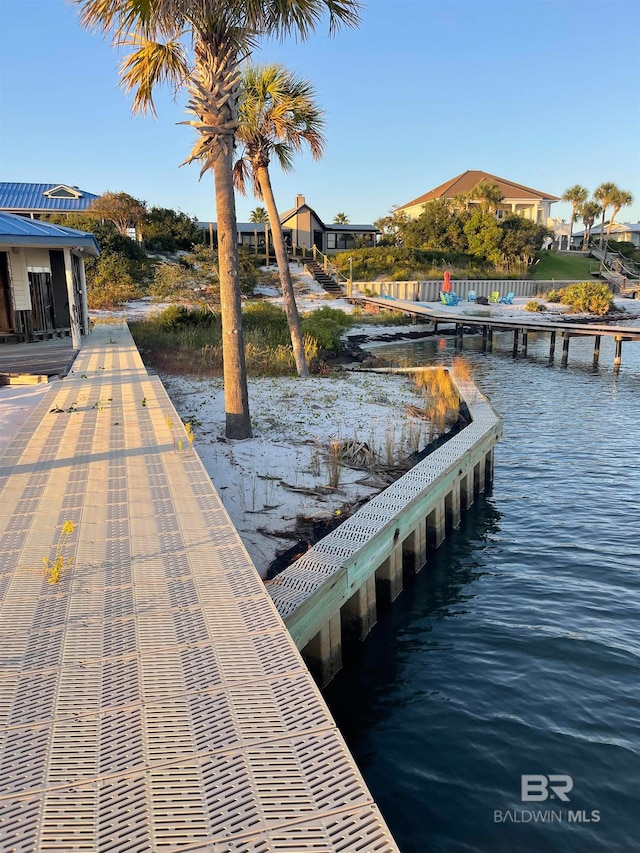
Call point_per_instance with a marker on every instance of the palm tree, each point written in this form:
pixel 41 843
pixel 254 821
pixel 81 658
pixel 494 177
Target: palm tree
pixel 341 219
pixel 588 211
pixel 605 195
pixel 278 114
pixel 577 195
pixel 488 194
pixel 620 198
pixel 259 214
pixel 200 44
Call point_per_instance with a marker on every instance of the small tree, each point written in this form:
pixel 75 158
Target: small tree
pixel 341 219
pixel 259 214
pixel 122 209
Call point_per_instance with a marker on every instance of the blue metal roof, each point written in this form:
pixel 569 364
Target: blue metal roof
pixel 29 198
pixel 20 231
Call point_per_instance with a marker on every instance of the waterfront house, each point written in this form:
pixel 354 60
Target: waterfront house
pixel 303 227
pixel 43 291
pixel 516 198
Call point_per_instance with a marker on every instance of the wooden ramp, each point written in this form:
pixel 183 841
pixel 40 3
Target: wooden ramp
pixel 24 364
pixel 152 700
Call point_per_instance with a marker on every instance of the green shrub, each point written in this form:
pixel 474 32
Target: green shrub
pixel 592 297
pixel 326 325
pixel 554 296
pixel 110 283
pixel 532 305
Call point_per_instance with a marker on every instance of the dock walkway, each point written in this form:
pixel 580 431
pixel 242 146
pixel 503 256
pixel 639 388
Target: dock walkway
pixel 441 315
pixel 152 700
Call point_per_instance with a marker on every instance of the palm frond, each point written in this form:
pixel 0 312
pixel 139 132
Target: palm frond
pixel 150 64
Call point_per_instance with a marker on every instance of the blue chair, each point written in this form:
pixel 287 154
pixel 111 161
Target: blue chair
pixel 453 298
pixel 508 299
pixel 472 296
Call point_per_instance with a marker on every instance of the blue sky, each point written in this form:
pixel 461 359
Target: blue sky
pixel 544 92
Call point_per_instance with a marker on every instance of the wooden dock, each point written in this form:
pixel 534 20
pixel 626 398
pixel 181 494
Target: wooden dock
pixel 520 327
pixel 152 699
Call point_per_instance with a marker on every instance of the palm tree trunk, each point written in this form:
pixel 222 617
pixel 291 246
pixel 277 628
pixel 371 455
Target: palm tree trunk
pixel 277 237
pixel 602 226
pixel 616 211
pixel 571 220
pixel 236 397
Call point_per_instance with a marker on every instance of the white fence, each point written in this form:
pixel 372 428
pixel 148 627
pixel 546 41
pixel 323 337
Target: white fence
pixel 429 291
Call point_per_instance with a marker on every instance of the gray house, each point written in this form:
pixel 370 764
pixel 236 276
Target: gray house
pixel 43 291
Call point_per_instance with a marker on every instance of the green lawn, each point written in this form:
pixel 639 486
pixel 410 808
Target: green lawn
pixel 562 267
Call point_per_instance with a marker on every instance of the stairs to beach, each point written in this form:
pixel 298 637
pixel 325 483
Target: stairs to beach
pixel 324 279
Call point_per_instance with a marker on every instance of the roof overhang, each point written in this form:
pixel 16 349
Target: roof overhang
pixel 85 245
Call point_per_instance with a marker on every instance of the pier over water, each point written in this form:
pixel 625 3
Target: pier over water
pixel 152 699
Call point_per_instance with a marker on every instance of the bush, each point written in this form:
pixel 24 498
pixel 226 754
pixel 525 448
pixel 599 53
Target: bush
pixel 404 264
pixel 532 305
pixel 326 325
pixel 110 282
pixel 592 297
pixel 554 296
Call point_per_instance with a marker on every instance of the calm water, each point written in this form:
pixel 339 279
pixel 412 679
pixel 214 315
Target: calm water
pixel 517 649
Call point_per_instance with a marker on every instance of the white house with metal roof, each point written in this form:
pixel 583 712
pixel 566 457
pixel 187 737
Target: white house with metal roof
pixel 43 290
pixel 35 200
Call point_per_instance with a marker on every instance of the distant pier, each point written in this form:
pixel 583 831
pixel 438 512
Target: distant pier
pixel 521 328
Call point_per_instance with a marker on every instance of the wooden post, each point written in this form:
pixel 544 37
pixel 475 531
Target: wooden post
pixel 459 334
pixel 83 292
pixel 596 349
pixel 489 463
pixel 617 361
pixel 552 346
pixel 479 474
pixel 436 526
pixel 414 549
pixel 484 339
pixel 452 507
pixel 466 490
pixel 565 350
pixel 358 615
pixel 74 309
pixel 389 575
pixel 525 341
pixel 490 340
pixel 516 334
pixel 323 653
pixel 211 236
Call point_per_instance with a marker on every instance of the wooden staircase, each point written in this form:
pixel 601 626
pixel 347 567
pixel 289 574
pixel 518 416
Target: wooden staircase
pixel 324 279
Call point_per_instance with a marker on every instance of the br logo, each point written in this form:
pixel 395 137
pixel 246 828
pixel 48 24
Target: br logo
pixel 538 788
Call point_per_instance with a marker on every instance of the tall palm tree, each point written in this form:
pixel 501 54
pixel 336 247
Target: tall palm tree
pixel 341 219
pixel 605 194
pixel 588 211
pixel 621 198
pixel 577 195
pixel 199 44
pixel 278 115
pixel 259 214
